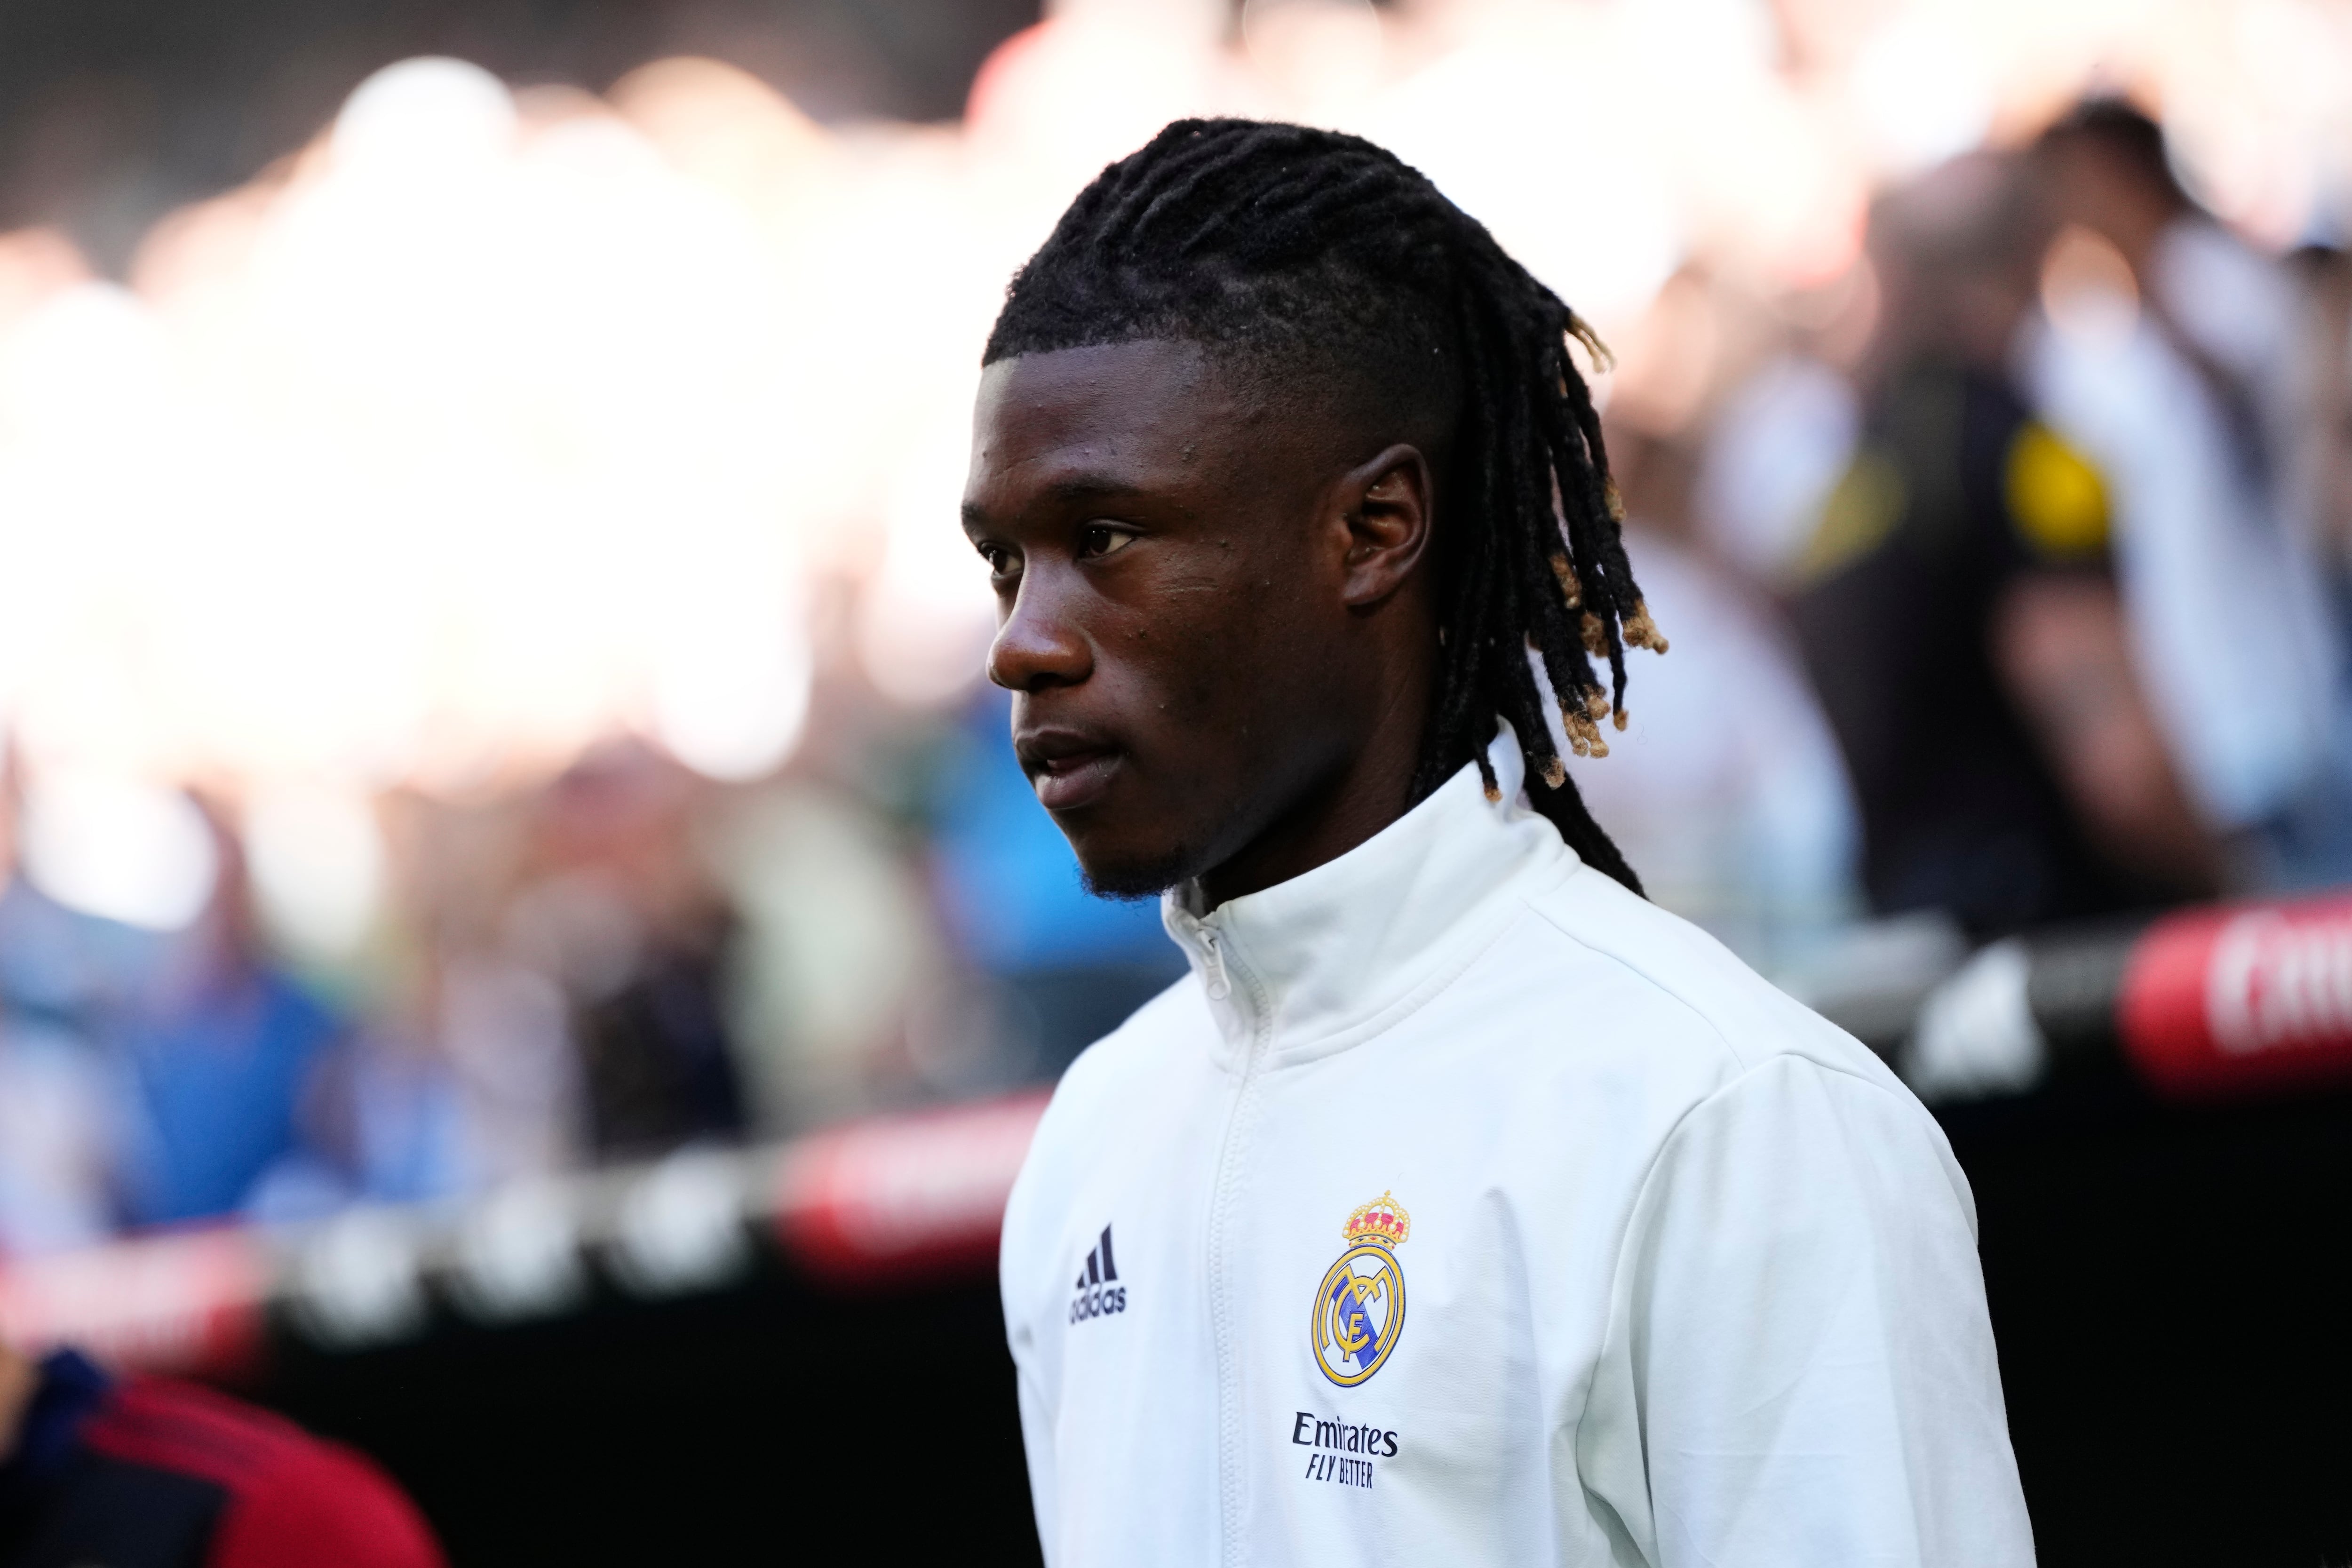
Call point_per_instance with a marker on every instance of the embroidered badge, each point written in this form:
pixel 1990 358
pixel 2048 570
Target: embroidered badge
pixel 1359 1306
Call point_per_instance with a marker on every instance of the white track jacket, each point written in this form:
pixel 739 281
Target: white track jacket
pixel 1462 1208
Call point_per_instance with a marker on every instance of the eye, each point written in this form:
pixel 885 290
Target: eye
pixel 1001 562
pixel 1102 539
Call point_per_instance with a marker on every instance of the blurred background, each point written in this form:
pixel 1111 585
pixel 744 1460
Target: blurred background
pixel 487 657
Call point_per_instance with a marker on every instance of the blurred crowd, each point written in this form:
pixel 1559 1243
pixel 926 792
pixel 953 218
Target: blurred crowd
pixel 622 962
pixel 2006 565
pixel 2007 572
pixel 2035 539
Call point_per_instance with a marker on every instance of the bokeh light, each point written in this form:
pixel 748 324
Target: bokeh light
pixel 494 422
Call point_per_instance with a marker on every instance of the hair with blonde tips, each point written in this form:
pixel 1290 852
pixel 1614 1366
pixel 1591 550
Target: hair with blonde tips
pixel 1309 252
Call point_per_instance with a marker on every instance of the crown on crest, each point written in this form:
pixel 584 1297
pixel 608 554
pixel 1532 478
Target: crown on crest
pixel 1382 1220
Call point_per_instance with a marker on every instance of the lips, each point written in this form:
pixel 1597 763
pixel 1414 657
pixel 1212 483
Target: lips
pixel 1067 770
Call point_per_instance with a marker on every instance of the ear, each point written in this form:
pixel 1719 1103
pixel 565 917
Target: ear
pixel 1385 506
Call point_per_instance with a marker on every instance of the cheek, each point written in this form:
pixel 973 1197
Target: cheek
pixel 1214 658
pixel 1225 707
pixel 1183 669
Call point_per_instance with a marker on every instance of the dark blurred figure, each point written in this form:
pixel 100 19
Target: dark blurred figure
pixel 146 1473
pixel 617 909
pixel 1957 610
pixel 2320 477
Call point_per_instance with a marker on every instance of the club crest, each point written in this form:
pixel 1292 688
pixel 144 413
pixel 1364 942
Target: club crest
pixel 1359 1306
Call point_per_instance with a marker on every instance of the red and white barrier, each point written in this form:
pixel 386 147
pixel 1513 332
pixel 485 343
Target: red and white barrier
pixel 886 1201
pixel 2241 1000
pixel 2213 1003
pixel 185 1302
pixel 878 1203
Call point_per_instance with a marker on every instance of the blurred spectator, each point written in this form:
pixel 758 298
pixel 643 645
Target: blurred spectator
pixel 1074 966
pixel 149 1473
pixel 1957 608
pixel 59 1117
pixel 2320 471
pixel 616 911
pixel 146 1077
pixel 1780 422
pixel 1725 790
pixel 382 1119
pixel 62 1095
pixel 2170 356
pixel 221 1048
pixel 836 950
pixel 567 1001
pixel 1773 453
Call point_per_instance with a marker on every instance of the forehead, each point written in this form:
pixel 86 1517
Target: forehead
pixel 1134 415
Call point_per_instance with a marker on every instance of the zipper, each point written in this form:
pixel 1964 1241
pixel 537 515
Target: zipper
pixel 1223 1200
pixel 1219 986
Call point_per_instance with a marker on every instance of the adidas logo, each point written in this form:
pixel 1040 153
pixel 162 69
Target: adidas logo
pixel 1100 1292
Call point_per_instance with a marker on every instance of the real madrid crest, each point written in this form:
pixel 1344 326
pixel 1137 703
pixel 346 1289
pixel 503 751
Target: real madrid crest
pixel 1359 1306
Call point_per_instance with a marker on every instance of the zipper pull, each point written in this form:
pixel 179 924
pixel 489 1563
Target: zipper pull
pixel 1219 987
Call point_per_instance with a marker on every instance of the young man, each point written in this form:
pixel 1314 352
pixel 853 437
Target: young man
pixel 1461 1206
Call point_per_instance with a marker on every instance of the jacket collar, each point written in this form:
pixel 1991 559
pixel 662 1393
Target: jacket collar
pixel 1337 955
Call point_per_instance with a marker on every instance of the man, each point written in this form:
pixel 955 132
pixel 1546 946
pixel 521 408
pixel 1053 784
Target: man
pixel 2181 385
pixel 153 1474
pixel 1959 610
pixel 1460 1207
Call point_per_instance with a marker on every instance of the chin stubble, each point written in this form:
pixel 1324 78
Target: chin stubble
pixel 1143 880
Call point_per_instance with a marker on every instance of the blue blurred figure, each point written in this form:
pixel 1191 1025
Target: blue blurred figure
pixel 168 1070
pixel 220 1075
pixel 1073 965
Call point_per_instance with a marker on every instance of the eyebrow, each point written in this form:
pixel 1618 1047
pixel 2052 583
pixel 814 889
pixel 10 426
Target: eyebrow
pixel 1075 491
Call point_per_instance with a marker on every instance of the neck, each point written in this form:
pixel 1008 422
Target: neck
pixel 1370 789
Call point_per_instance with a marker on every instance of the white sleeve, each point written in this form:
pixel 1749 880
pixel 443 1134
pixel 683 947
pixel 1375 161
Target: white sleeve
pixel 1037 1447
pixel 1033 1379
pixel 1798 1368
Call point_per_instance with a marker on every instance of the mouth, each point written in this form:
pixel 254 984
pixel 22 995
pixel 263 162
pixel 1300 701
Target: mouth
pixel 1067 770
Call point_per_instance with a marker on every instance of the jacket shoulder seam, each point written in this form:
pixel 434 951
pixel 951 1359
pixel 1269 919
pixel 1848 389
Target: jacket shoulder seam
pixel 1652 980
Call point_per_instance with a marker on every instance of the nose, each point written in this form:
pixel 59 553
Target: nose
pixel 1040 644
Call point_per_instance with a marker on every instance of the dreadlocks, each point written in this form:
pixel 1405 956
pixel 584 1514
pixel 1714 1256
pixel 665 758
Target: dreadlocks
pixel 1286 247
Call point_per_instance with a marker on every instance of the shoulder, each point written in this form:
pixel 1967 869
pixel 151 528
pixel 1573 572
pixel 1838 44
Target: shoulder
pixel 1658 983
pixel 179 1426
pixel 293 1499
pixel 1721 1046
pixel 1160 1038
pixel 1129 1070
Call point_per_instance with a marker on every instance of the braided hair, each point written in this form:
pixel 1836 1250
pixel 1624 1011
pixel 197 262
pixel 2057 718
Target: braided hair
pixel 1292 248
